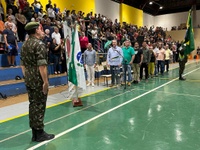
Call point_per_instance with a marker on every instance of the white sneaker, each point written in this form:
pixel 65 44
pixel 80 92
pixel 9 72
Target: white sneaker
pixel 93 84
pixel 88 84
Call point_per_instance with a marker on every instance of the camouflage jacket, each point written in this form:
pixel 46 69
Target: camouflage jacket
pixel 33 55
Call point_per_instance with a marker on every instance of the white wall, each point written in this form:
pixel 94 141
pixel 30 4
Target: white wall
pixel 108 8
pixel 148 20
pixel 169 20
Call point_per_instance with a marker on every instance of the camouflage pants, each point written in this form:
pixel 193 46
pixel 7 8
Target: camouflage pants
pixel 181 67
pixel 37 107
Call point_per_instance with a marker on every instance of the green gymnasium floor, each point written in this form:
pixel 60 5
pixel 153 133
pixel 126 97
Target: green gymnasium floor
pixel 163 114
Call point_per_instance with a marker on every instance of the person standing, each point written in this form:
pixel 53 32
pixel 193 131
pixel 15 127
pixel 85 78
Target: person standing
pixel 90 63
pixel 137 62
pixel 11 44
pixel 182 59
pixel 161 59
pixel 129 56
pixel 34 67
pixel 151 66
pixel 168 54
pixel 145 62
pixel 83 42
pixel 114 61
pixel 55 50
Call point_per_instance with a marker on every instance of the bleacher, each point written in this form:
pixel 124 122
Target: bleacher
pixel 9 86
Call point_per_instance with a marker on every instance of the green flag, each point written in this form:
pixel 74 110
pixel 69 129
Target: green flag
pixel 189 37
pixel 72 70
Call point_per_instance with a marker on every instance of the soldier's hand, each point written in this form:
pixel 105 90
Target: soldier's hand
pixel 45 88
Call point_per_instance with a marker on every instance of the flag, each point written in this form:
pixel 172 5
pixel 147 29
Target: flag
pixel 76 73
pixel 189 37
pixel 67 40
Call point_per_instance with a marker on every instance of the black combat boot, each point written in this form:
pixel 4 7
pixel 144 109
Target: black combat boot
pixel 41 135
pixel 181 78
pixel 33 134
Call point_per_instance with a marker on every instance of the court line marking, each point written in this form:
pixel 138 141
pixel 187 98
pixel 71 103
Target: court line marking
pixel 66 101
pixel 53 105
pixel 104 113
pixel 74 112
pixel 9 138
pixel 171 93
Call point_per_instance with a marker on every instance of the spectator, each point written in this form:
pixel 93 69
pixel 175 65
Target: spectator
pixel 2 11
pixel 161 59
pixel 129 56
pixel 11 44
pixel 90 63
pixel 168 54
pixel 151 65
pixel 145 62
pixel 56 54
pixel 137 62
pixel 56 35
pixel 21 22
pixel 37 6
pixel 114 61
pixel 83 42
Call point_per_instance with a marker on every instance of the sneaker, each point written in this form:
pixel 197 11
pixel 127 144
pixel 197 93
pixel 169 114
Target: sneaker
pixel 122 83
pixel 129 83
pixel 88 84
pixel 93 84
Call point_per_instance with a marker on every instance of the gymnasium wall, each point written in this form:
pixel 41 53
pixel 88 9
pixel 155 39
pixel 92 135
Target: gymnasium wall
pixel 131 15
pixel 179 35
pixel 108 8
pixel 168 20
pixel 148 20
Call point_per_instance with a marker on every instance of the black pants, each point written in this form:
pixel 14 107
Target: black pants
pixel 115 74
pixel 145 66
pixel 181 67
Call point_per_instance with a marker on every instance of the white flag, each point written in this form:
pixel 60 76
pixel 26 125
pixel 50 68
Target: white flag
pixel 76 73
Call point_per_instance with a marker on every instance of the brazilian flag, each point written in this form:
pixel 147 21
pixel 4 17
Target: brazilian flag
pixel 189 37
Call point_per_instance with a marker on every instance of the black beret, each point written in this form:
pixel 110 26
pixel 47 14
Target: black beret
pixel 32 25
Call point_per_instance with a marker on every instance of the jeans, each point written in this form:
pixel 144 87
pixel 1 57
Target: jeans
pixel 161 66
pixel 128 70
pixel 56 60
pixel 115 74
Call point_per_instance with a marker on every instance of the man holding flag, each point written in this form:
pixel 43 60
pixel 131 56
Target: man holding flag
pixel 187 46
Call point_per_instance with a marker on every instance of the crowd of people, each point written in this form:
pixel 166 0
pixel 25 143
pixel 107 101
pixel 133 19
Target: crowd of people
pixel 96 29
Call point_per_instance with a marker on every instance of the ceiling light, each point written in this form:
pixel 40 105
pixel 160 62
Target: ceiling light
pixel 150 3
pixel 160 7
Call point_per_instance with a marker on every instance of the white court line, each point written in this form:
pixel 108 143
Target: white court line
pixel 9 138
pixel 170 93
pixel 104 113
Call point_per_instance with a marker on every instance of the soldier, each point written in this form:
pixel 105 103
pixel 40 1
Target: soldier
pixel 34 68
pixel 182 61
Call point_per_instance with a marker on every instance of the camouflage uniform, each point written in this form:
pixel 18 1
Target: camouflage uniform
pixel 33 55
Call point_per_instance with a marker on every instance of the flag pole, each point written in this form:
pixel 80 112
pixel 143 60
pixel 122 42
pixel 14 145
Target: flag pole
pixel 76 101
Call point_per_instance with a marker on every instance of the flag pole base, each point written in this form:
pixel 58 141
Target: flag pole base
pixel 77 102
